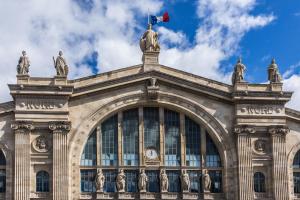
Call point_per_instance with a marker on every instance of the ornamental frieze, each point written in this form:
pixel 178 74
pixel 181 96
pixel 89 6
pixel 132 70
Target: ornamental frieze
pixel 40 104
pixel 63 126
pixel 244 129
pixel 278 130
pixel 260 110
pixel 22 125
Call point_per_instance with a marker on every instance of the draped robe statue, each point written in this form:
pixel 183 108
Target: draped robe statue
pixel 164 181
pixel 23 64
pixel 238 74
pixel 143 179
pixel 121 181
pixel 185 181
pixel 61 66
pixel 206 181
pixel 149 40
pixel 273 73
pixel 99 179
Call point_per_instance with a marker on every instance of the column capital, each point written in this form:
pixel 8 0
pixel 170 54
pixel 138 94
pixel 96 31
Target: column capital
pixel 22 125
pixel 244 129
pixel 60 126
pixel 278 130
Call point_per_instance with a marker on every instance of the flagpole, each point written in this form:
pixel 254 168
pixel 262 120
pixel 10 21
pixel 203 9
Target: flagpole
pixel 148 17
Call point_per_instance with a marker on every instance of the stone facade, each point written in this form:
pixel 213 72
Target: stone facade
pixel 49 121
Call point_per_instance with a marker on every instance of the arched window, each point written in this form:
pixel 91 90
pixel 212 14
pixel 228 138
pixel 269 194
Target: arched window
pixel 2 172
pixel 148 138
pixel 259 182
pixel 42 181
pixel 296 172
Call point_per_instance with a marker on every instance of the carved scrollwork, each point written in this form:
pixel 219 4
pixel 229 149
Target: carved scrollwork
pixel 60 126
pixel 152 89
pixel 278 130
pixel 244 129
pixel 41 144
pixel 22 125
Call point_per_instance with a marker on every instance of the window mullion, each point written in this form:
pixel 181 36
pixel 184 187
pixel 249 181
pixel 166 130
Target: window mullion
pixel 141 136
pixel 203 147
pixel 120 139
pixel 162 135
pixel 98 145
pixel 182 139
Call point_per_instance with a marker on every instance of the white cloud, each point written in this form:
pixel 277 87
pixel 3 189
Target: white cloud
pixel 293 84
pixel 113 28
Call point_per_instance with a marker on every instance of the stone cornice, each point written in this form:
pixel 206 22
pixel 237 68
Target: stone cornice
pixel 244 129
pixel 60 126
pixel 24 125
pixel 278 130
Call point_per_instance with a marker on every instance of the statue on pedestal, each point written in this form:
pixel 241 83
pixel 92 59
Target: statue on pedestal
pixel 23 64
pixel 273 73
pixel 149 40
pixel 206 181
pixel 238 74
pixel 121 181
pixel 164 181
pixel 143 179
pixel 60 65
pixel 99 179
pixel 185 181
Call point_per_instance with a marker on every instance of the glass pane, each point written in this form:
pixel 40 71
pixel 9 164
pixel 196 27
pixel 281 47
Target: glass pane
pixel 193 141
pixel 296 163
pixel 110 180
pixel 2 158
pixel 151 128
pixel 259 182
pixel 131 137
pixel 212 154
pixel 153 181
pixel 216 181
pixel 174 181
pixel 88 180
pixel 2 180
pixel 42 181
pixel 131 181
pixel 88 157
pixel 109 131
pixel 195 178
pixel 296 182
pixel 172 138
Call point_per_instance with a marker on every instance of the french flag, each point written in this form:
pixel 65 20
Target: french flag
pixel 156 19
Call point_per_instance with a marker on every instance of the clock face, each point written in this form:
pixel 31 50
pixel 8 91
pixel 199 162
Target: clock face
pixel 151 154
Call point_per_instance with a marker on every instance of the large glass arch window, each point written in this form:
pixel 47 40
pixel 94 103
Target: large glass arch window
pixel 296 172
pixel 150 138
pixel 42 181
pixel 2 172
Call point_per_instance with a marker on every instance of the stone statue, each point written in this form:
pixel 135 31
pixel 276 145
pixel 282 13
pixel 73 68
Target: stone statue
pixel 164 181
pixel 60 65
pixel 23 64
pixel 206 181
pixel 99 180
pixel 143 179
pixel 185 181
pixel 121 181
pixel 149 41
pixel 273 73
pixel 238 74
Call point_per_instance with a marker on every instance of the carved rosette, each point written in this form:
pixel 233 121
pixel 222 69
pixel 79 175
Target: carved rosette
pixel 278 130
pixel 41 144
pixel 62 126
pixel 244 129
pixel 24 126
pixel 152 89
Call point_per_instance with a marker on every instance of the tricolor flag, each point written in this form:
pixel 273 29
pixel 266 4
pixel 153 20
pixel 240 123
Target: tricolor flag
pixel 156 19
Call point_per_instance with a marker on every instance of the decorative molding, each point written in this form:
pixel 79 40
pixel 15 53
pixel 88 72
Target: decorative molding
pixel 152 89
pixel 40 104
pixel 60 126
pixel 41 144
pixel 278 130
pixel 260 146
pixel 261 110
pixel 16 125
pixel 240 129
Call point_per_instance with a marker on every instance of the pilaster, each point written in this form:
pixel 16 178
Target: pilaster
pixel 22 159
pixel 280 168
pixel 245 170
pixel 60 159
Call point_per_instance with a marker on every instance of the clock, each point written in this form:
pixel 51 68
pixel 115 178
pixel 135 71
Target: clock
pixel 151 154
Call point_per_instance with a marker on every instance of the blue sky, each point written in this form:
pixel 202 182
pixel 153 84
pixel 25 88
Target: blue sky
pixel 204 37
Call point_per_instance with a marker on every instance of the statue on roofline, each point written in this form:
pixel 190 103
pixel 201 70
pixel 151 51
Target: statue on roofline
pixel 149 40
pixel 60 65
pixel 273 73
pixel 238 73
pixel 23 64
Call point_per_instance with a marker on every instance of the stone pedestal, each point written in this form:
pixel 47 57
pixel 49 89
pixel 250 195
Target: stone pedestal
pixel 150 60
pixel 22 78
pixel 245 171
pixel 276 87
pixel 280 168
pixel 22 159
pixel 60 159
pixel 60 80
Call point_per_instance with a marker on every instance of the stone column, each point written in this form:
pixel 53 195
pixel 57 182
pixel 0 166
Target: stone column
pixel 245 170
pixel 60 159
pixel 279 168
pixel 22 159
